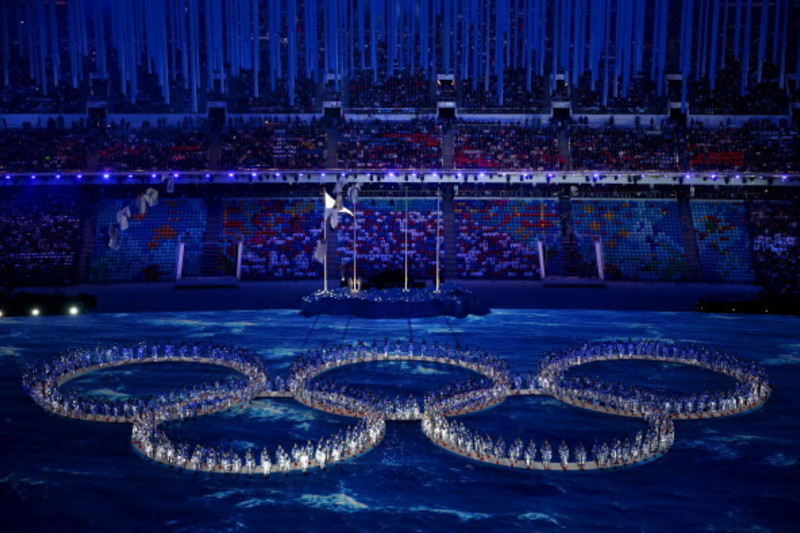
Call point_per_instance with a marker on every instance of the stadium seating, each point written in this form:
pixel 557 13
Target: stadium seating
pixel 775 230
pixel 381 237
pixel 721 231
pixel 390 145
pixel 624 149
pixel 641 238
pixel 497 237
pixel 39 242
pixel 491 146
pixel 149 247
pixel 278 234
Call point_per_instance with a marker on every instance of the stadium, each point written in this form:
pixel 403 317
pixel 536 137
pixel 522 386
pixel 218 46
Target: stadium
pixel 354 253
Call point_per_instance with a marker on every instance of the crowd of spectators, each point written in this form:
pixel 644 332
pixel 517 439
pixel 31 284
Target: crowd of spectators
pixel 518 147
pixel 475 95
pixel 613 148
pixel 497 238
pixel 48 149
pixel 765 98
pixel 382 237
pixel 39 242
pixel 152 149
pixel 775 231
pixel 274 145
pixel 642 97
pixel 40 236
pixel 402 90
pixel 278 235
pixel 757 145
pixel 390 144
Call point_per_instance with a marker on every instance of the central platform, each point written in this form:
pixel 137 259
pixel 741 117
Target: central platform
pixel 450 300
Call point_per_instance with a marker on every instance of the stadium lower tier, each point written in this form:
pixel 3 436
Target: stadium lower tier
pixel 132 238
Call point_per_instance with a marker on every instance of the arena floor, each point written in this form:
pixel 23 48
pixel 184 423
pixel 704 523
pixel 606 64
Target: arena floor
pixel 732 474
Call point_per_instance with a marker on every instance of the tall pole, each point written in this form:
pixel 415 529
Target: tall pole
pixel 405 243
pixel 438 216
pixel 325 241
pixel 355 254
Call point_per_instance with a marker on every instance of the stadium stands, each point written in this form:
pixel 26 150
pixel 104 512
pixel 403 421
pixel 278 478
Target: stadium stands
pixel 721 232
pixel 381 237
pixel 775 230
pixel 148 248
pixel 641 238
pixel 517 147
pixel 279 235
pixel 39 241
pixel 390 145
pixel 274 145
pixel 497 237
pixel 622 149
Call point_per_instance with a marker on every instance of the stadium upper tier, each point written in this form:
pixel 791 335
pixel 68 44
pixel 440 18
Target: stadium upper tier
pixel 755 146
pixel 606 56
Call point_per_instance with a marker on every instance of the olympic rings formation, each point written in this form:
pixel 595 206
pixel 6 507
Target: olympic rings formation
pixel 149 417
pixel 316 362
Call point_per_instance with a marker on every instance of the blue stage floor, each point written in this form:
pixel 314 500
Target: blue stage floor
pixel 734 474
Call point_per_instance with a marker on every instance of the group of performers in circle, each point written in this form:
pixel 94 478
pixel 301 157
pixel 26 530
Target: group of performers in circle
pixel 496 382
pixel 751 387
pixel 644 446
pixel 43 383
pixel 151 440
pixel 345 399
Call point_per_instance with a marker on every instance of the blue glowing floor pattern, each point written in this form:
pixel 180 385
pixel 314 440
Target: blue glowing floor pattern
pixel 734 474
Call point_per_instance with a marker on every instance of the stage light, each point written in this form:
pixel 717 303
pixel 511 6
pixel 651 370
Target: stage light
pixel 1 313
pixel 58 176
pixel 252 174
pixel 74 310
pixel 35 311
pixel 79 176
pixel 106 176
pixel 153 176
pixel 230 175
pixel 8 176
pixel 33 176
